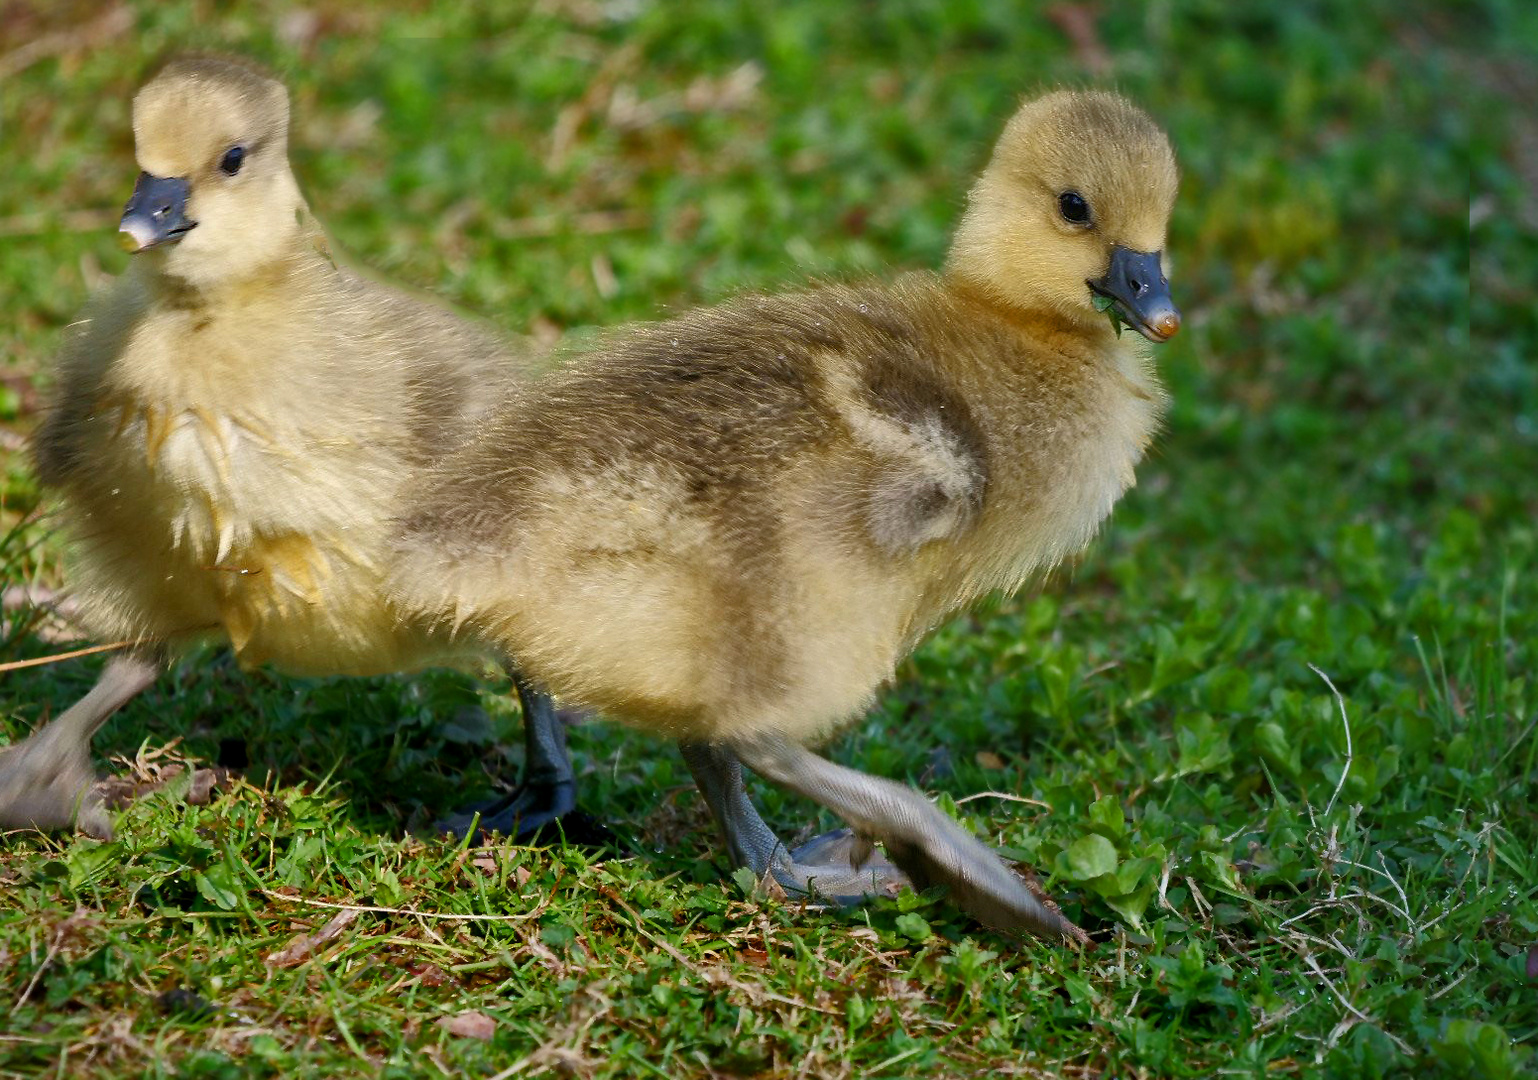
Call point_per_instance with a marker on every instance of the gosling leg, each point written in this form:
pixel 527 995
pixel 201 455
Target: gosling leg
pixel 46 781
pixel 928 846
pixel 837 866
pixel 548 792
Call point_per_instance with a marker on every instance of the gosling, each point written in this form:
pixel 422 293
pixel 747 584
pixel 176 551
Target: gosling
pixel 236 422
pixel 729 528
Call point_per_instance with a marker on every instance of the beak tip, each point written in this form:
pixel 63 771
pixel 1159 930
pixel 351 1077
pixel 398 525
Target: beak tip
pixel 1168 324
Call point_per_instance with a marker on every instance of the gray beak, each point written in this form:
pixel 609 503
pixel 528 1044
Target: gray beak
pixel 156 212
pixel 1140 292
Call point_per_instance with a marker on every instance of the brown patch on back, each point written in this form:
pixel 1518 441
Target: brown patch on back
pixel 907 384
pixel 701 398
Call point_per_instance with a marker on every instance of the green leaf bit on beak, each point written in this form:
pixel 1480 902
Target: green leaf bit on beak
pixel 1107 304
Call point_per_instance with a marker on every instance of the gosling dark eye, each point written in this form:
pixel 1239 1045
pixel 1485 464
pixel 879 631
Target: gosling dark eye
pixel 1073 207
pixel 231 162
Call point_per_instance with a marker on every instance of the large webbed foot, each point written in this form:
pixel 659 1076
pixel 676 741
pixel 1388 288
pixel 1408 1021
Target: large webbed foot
pixel 48 784
pixel 840 867
pixel 924 843
pixel 46 781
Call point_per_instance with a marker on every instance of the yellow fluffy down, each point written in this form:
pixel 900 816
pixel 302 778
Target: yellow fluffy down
pixel 740 521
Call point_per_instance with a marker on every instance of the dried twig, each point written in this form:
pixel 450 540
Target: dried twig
pixel 39 661
pixel 302 947
pixel 1343 901
pixel 61 933
pixel 1361 1017
pixel 409 912
pixel 53 950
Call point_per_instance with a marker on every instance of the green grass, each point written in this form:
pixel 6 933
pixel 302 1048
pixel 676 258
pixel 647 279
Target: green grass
pixel 1347 482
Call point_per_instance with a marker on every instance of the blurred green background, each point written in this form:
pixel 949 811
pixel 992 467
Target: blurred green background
pixel 1347 480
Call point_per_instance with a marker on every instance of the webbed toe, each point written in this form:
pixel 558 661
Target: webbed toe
pixel 838 867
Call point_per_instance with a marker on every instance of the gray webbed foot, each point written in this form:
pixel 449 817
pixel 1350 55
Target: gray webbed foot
pixel 46 784
pixel 924 843
pixel 840 867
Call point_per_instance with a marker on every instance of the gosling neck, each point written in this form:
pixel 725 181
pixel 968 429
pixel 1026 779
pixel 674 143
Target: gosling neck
pixel 1033 320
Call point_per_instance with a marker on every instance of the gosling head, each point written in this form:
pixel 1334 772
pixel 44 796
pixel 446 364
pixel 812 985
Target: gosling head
pixel 216 200
pixel 1073 209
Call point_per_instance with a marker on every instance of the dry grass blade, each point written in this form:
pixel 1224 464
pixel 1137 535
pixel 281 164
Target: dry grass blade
pixel 1344 723
pixel 1006 796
